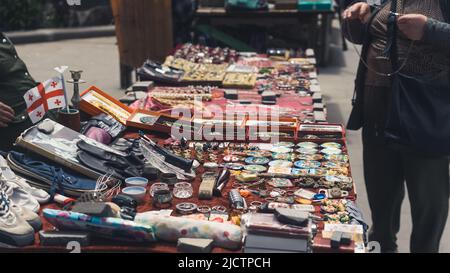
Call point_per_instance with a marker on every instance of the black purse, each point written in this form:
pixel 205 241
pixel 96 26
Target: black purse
pixel 419 110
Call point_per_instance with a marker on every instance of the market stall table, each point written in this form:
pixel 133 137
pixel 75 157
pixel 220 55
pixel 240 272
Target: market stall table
pixel 317 21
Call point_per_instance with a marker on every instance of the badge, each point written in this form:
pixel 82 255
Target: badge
pixel 279 170
pixel 308 172
pixel 280 183
pixel 282 156
pixel 280 163
pixel 281 150
pixel 256 160
pixel 284 144
pixel 316 157
pixel 308 145
pixel 331 151
pixel 304 164
pixel 331 145
pixel 259 153
pixel 341 158
pixel 255 168
pixel 307 151
pixel 302 193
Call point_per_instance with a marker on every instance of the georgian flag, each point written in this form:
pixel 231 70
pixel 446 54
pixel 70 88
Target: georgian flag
pixel 46 96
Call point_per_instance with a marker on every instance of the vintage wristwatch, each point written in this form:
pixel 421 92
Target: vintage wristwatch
pixel 206 189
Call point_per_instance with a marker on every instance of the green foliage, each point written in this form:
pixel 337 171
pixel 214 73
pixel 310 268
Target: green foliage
pixel 21 14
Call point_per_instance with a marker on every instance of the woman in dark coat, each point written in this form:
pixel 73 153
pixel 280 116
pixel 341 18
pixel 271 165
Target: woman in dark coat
pixel 388 167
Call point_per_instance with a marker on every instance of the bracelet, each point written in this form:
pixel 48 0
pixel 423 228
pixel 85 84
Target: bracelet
pixel 203 209
pixel 169 178
pixel 186 208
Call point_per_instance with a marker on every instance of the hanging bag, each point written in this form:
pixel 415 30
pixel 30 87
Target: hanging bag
pixel 419 110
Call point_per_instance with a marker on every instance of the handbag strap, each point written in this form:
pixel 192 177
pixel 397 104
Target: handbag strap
pixel 391 49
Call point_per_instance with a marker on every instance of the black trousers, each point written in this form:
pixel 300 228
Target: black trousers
pixel 389 171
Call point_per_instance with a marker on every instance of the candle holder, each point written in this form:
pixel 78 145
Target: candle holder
pixel 76 81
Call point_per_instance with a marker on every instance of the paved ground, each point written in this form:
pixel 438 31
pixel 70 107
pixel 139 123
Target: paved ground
pixel 98 58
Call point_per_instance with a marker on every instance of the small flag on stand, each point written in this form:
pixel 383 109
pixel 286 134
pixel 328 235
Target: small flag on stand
pixel 46 96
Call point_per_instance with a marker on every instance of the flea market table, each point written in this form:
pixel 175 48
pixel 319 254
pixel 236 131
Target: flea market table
pixel 318 23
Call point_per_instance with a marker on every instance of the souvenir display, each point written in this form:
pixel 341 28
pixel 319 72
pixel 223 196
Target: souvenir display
pixel 94 101
pixel 266 169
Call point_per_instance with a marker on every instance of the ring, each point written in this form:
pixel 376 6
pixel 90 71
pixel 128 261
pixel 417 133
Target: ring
pixel 203 209
pixel 186 208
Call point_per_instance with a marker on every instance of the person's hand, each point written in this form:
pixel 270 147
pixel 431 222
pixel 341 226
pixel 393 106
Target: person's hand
pixel 6 115
pixel 412 26
pixel 360 11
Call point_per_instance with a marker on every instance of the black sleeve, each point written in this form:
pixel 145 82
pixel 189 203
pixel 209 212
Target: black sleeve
pixel 437 33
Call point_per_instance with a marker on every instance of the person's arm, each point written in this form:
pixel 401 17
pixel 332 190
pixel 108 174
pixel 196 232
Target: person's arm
pixel 437 33
pixel 354 21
